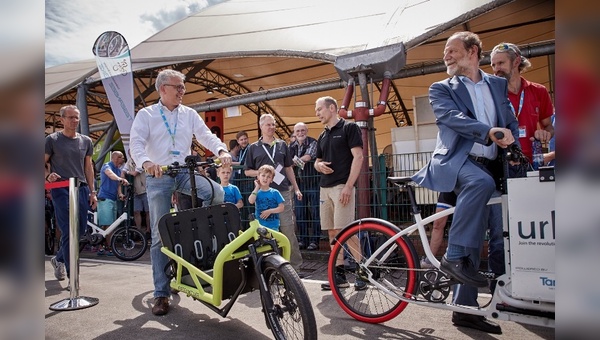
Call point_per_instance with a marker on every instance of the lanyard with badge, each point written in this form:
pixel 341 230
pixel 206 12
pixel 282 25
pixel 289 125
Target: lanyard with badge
pixel 278 176
pixel 522 129
pixel 243 155
pixel 174 152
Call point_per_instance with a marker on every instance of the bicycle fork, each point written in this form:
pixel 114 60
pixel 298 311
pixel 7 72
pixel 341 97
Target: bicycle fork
pixel 258 260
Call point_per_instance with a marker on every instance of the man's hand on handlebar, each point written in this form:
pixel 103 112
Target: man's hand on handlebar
pixel 225 158
pixel 514 155
pixel 152 169
pixel 501 136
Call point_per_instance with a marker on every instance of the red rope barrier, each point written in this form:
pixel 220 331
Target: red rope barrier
pixel 58 184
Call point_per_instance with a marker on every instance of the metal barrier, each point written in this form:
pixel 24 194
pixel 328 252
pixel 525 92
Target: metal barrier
pixel 386 201
pixel 74 301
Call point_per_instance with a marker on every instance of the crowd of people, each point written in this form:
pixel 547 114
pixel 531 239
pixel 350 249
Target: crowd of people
pixel 307 187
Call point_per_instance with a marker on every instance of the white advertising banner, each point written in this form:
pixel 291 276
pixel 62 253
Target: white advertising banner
pixel 114 65
pixel 532 231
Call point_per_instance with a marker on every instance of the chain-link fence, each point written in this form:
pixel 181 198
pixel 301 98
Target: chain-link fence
pixel 383 200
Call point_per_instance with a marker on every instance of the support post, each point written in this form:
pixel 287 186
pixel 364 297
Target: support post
pixel 75 301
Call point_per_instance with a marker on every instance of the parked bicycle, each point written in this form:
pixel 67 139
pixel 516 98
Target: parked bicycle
pixel 50 237
pixel 213 259
pixel 127 242
pixel 387 259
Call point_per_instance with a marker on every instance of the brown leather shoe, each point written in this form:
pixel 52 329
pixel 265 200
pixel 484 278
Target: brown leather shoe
pixel 161 306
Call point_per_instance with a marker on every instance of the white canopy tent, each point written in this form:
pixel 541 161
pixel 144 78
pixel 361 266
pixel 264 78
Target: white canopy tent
pixel 240 51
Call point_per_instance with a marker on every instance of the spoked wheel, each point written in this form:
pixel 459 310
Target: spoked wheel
pixel 394 269
pixel 128 245
pixel 292 316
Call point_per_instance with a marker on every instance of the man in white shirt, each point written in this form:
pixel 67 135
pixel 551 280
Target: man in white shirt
pixel 162 134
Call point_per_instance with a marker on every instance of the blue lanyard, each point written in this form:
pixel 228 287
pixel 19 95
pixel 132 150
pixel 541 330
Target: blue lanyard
pixel 172 134
pixel 520 104
pixel 243 154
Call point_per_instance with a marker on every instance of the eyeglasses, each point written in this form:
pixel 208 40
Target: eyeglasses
pixel 507 47
pixel 72 118
pixel 179 88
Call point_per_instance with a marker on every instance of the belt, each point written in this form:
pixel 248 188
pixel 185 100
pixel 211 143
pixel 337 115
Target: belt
pixel 481 160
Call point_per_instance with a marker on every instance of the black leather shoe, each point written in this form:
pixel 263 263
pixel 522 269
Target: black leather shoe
pixel 464 271
pixel 161 306
pixel 478 322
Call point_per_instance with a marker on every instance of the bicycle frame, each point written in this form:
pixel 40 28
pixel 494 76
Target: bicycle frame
pixel 113 226
pixel 419 226
pixel 234 251
pixel 97 230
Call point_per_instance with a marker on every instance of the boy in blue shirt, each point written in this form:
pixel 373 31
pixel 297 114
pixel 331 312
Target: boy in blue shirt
pixel 268 201
pixel 232 192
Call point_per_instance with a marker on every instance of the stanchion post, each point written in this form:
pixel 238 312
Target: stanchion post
pixel 74 236
pixel 75 301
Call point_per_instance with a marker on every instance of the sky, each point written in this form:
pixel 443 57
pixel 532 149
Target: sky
pixel 72 26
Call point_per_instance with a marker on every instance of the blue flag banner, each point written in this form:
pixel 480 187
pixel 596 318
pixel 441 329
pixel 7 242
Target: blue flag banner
pixel 114 65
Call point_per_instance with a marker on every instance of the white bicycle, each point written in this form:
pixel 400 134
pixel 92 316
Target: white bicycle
pixel 127 242
pixel 383 255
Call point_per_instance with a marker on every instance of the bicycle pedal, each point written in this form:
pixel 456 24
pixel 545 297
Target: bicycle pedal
pixel 488 275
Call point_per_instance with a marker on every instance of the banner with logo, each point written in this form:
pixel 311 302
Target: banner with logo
pixel 532 230
pixel 114 65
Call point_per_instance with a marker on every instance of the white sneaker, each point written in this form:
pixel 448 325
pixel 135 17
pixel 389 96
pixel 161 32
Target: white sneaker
pixel 425 264
pixel 59 269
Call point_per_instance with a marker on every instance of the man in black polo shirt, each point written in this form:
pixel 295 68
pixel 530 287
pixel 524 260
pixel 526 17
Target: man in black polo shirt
pixel 339 160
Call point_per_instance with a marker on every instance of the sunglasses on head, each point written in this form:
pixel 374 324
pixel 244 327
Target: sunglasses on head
pixel 507 47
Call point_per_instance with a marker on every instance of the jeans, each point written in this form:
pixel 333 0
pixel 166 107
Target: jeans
pixel 307 216
pixel 60 199
pixel 159 192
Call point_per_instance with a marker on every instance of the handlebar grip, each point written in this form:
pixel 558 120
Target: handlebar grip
pixel 499 134
pixel 164 168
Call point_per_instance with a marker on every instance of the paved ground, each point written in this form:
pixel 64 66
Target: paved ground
pixel 124 290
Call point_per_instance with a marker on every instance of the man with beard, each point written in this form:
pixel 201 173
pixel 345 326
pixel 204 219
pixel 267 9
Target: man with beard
pixel 470 107
pixel 530 101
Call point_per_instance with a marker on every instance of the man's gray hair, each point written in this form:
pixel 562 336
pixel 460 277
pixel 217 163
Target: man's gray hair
pixel 164 75
pixel 63 110
pixel 264 116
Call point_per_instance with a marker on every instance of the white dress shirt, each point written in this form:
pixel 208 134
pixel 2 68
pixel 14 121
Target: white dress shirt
pixel 151 139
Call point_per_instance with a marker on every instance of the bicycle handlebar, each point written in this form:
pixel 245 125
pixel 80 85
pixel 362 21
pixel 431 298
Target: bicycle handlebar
pixel 513 151
pixel 191 162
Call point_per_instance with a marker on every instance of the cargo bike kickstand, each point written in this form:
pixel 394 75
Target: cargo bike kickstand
pixel 212 259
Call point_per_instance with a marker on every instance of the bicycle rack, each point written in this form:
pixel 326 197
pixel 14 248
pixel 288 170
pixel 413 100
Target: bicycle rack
pixel 75 301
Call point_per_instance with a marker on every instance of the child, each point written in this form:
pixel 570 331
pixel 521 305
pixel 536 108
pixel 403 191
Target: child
pixel 268 201
pixel 232 192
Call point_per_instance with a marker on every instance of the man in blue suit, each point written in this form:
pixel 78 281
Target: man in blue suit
pixel 470 107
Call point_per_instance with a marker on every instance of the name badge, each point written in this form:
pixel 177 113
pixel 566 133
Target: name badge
pixel 522 132
pixel 174 153
pixel 278 176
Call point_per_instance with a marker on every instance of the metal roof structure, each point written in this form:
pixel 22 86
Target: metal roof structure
pixel 278 56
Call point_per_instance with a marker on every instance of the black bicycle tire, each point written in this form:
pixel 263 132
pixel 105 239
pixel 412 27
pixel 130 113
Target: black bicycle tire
pixel 285 276
pixel 118 251
pixel 49 239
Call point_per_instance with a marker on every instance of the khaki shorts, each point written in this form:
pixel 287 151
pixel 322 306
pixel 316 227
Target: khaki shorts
pixel 334 215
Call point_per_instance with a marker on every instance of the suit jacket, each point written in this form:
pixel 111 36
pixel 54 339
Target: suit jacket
pixel 459 129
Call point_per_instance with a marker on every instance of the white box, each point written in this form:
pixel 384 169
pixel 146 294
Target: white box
pixel 532 238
